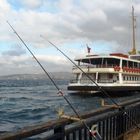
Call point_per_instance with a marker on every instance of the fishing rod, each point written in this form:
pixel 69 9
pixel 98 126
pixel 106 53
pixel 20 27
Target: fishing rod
pixel 99 87
pixel 53 82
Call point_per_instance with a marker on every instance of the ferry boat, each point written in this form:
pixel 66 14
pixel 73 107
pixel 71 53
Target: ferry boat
pixel 114 72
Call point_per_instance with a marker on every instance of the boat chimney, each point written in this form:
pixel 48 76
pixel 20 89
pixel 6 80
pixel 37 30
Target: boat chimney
pixel 133 51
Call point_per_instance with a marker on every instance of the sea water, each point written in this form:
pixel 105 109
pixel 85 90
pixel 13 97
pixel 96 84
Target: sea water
pixel 29 102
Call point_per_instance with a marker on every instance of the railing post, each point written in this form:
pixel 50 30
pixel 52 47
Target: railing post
pixel 59 131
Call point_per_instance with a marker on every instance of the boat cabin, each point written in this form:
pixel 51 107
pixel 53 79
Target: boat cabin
pixel 114 68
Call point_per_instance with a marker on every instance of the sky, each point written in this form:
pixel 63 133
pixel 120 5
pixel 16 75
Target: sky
pixel 70 24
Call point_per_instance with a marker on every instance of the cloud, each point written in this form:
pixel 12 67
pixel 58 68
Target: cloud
pixel 15 50
pixel 21 64
pixel 31 3
pixel 67 22
pixel 88 20
pixel 5 9
pixel 4 6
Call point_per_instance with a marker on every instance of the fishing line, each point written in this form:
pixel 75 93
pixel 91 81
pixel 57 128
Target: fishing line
pixel 99 87
pixel 59 91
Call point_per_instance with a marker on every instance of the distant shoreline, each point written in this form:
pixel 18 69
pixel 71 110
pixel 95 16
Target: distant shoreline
pixel 54 75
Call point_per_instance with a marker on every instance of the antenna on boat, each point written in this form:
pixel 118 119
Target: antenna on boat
pixel 133 51
pixel 59 91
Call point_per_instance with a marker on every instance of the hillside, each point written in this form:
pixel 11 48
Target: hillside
pixel 54 75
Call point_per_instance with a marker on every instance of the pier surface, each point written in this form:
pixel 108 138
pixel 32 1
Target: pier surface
pixel 132 135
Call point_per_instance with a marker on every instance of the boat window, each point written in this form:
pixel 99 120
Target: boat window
pixel 127 78
pixel 131 64
pixel 124 63
pixel 135 65
pixel 124 78
pixel 102 62
pixel 133 79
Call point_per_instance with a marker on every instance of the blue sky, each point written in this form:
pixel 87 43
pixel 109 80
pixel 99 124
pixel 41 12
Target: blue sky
pixel 69 24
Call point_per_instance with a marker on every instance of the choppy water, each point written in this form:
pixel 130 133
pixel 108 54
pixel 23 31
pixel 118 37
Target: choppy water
pixel 28 102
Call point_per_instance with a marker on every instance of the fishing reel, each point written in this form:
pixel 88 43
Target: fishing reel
pixel 95 133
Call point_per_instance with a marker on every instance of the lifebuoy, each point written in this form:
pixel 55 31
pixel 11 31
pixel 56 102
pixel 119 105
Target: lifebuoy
pixel 117 68
pixel 129 70
pixel 124 69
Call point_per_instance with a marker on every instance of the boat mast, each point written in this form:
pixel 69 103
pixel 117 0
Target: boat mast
pixel 133 52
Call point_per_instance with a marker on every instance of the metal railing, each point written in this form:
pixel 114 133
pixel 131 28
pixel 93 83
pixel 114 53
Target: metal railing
pixel 94 66
pixel 87 81
pixel 112 124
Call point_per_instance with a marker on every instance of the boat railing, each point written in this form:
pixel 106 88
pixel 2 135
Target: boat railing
pixel 81 81
pixel 87 81
pixel 84 66
pixel 73 81
pixel 107 81
pixel 131 82
pixel 131 69
pixel 94 66
pixel 105 66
